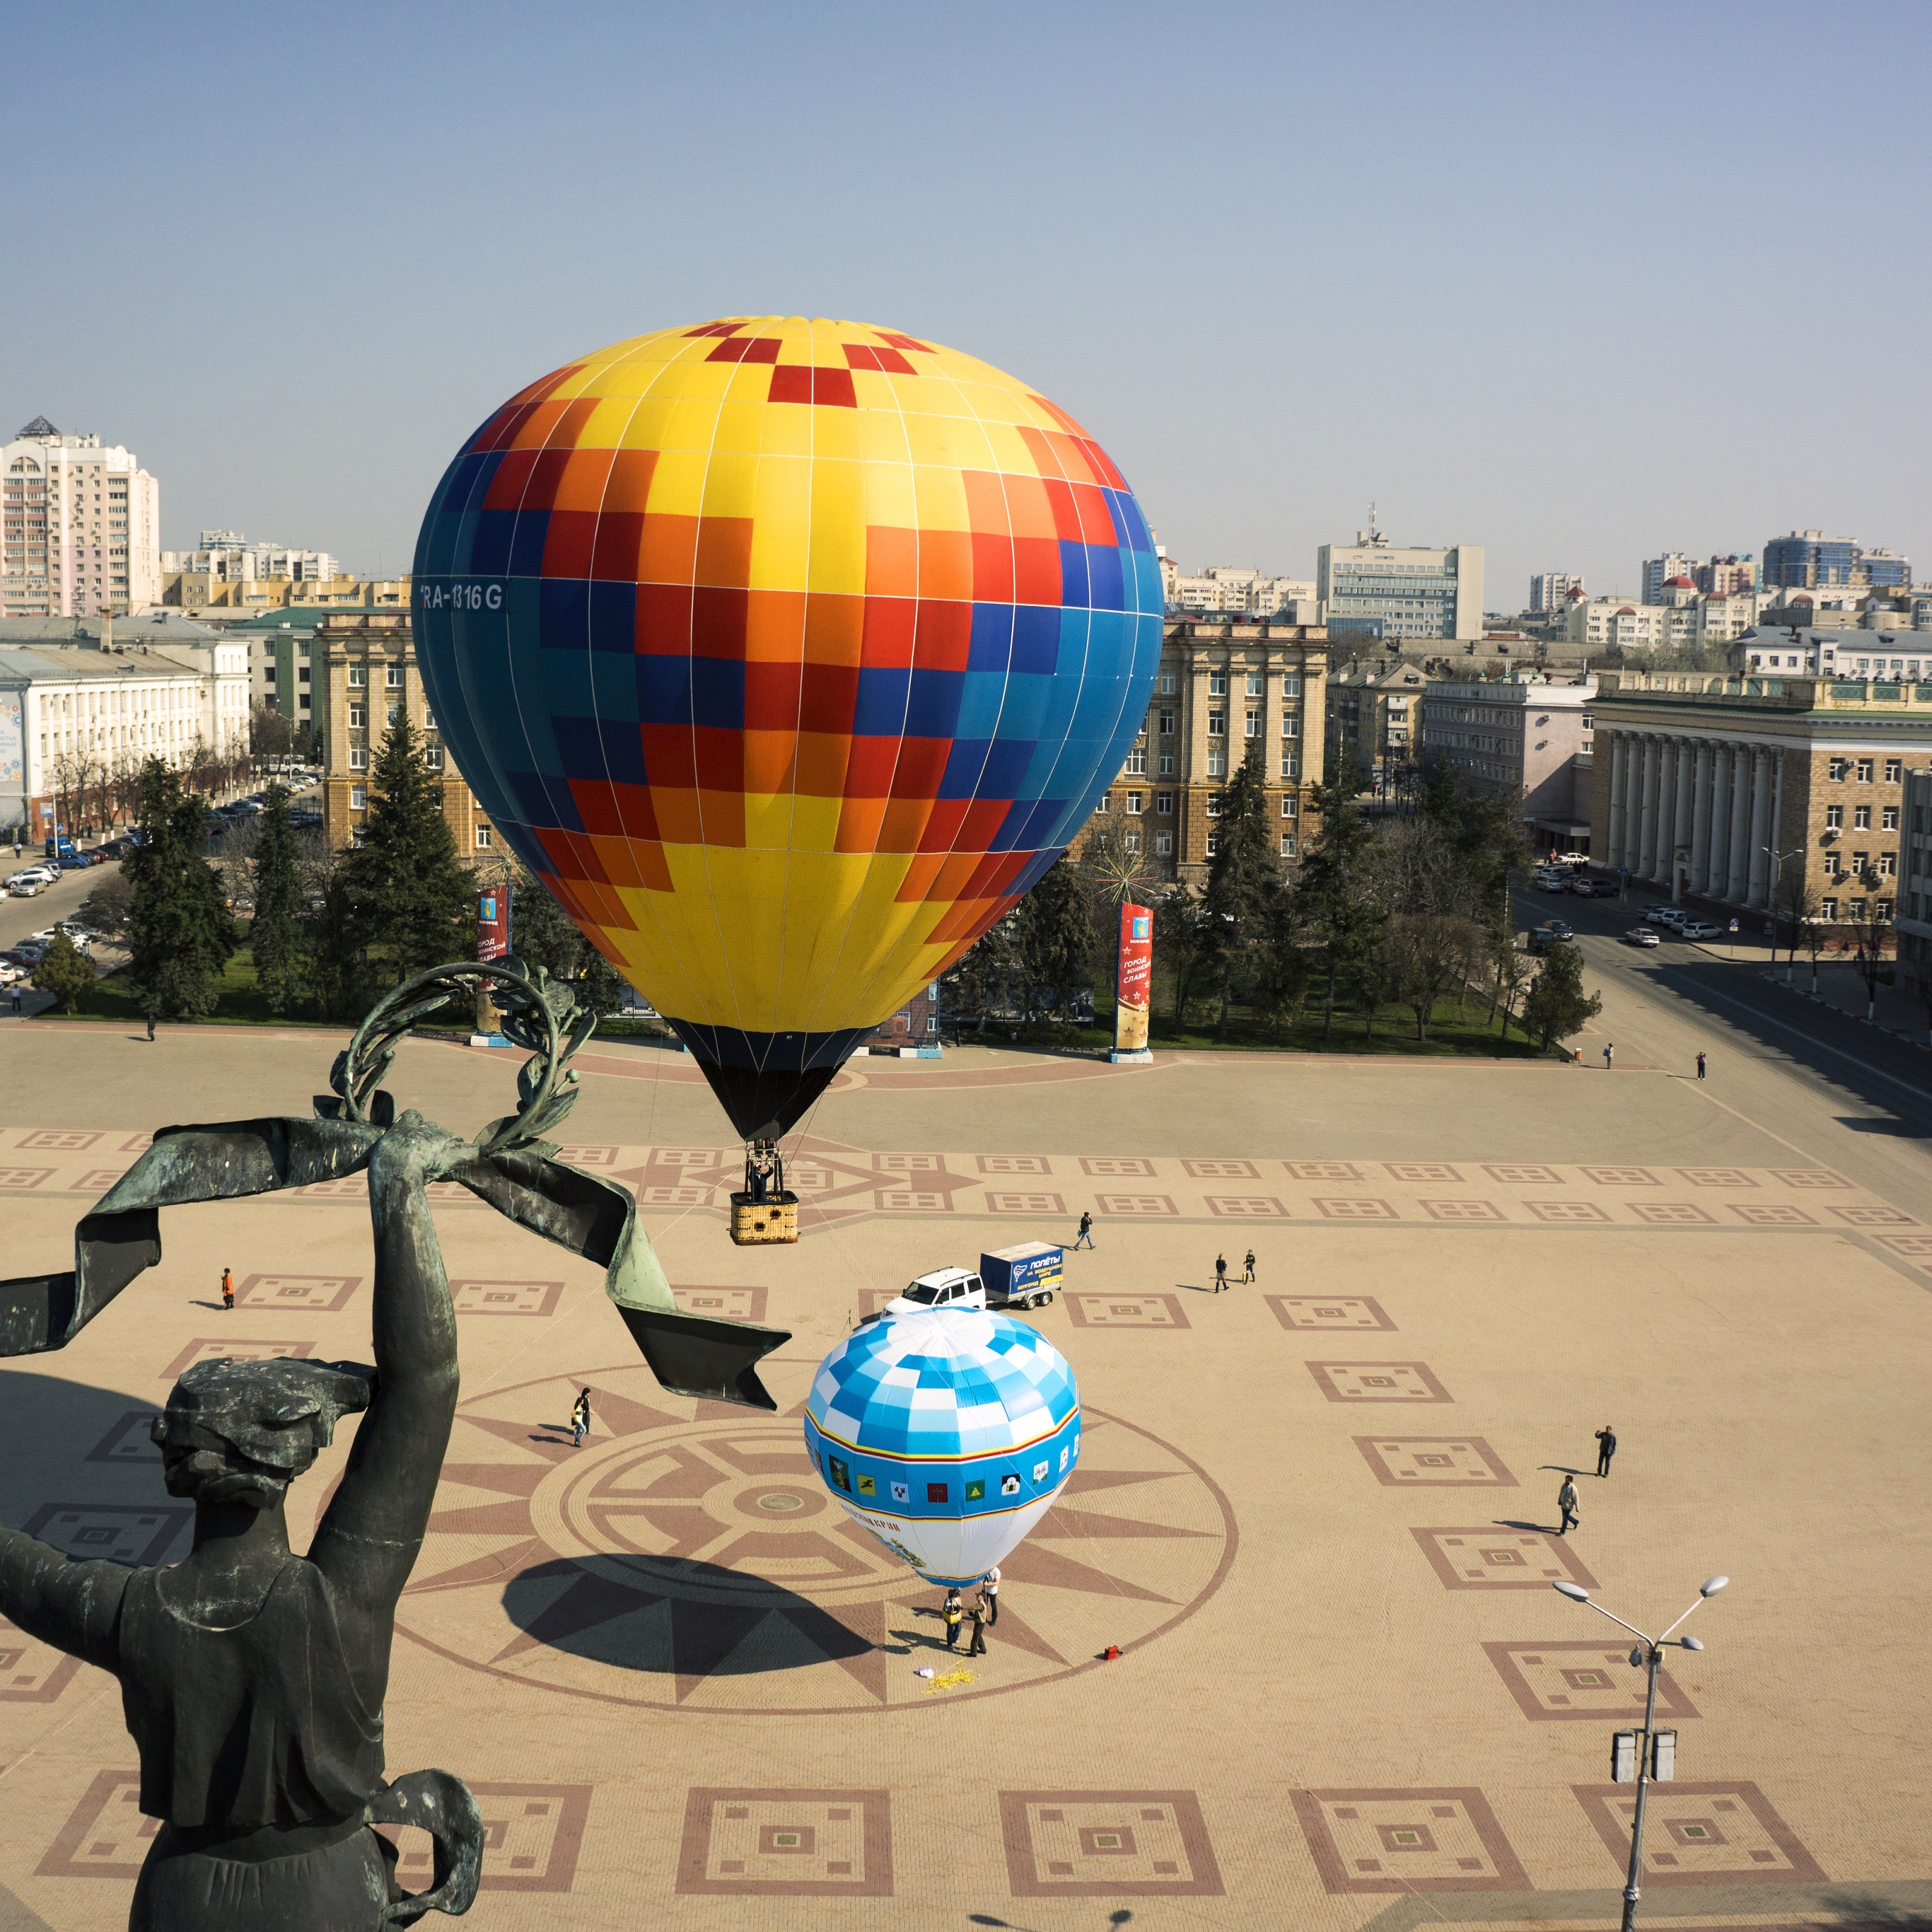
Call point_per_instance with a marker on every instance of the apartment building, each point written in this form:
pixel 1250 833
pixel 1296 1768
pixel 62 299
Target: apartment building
pixel 1223 590
pixel 1914 890
pixel 1530 734
pixel 364 676
pixel 1373 713
pixel 1395 593
pixel 1550 591
pixel 1220 688
pixel 1757 791
pixel 80 527
pixel 1810 560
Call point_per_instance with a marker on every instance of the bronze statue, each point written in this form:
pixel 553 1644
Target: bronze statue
pixel 253 1678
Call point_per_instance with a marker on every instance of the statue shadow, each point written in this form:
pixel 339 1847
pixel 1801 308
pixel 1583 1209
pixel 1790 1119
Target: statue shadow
pixel 68 1443
pixel 666 1622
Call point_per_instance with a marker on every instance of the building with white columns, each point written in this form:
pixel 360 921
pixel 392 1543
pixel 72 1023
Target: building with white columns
pixel 1757 791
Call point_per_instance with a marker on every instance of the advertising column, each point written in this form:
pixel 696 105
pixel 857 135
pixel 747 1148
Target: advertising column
pixel 492 942
pixel 1136 983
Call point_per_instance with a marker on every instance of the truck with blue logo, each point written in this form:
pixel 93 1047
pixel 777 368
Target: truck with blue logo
pixel 1025 1276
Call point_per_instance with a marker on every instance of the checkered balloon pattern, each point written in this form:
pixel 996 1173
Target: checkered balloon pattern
pixel 788 654
pixel 946 1433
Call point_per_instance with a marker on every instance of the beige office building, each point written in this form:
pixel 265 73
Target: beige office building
pixel 1221 688
pixel 1721 787
pixel 365 672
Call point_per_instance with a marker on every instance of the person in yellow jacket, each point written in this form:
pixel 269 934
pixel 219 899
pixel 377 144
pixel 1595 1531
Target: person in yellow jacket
pixel 954 1613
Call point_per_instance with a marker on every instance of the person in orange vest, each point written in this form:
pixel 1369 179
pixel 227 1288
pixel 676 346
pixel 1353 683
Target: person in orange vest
pixel 228 1289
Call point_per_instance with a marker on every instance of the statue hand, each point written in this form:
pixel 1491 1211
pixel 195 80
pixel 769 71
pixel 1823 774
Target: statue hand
pixel 419 1150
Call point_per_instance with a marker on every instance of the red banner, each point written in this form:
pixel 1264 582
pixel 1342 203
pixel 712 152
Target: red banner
pixel 1130 1010
pixel 493 926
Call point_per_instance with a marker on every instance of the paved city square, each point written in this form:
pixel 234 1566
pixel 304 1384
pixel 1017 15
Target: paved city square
pixel 1316 1514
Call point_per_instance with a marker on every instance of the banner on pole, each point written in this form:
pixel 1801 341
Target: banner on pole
pixel 493 926
pixel 1130 1010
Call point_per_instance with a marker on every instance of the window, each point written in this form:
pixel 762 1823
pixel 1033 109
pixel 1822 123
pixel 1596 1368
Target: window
pixel 358 717
pixel 393 677
pixel 1213 804
pixel 1290 684
pixel 1163 844
pixel 1251 726
pixel 1835 817
pixel 301 673
pixel 1861 818
pixel 1217 723
pixel 1857 909
pixel 1134 804
pixel 1290 765
pixel 1827 909
pixel 1132 840
pixel 358 677
pixel 433 756
pixel 1894 770
pixel 1831 865
pixel 1864 771
pixel 358 798
pixel 1888 865
pixel 482 837
pixel 391 712
pixel 1213 843
pixel 1137 762
pixel 429 719
pixel 1287 844
pixel 1890 819
pixel 359 759
pixel 1291 808
pixel 1291 725
pixel 1103 805
pixel 1257 684
pixel 1838 766
pixel 1165 687
pixel 1217 763
pixel 1217 684
pixel 1167 723
pixel 1163 804
pixel 1167 764
pixel 1882 912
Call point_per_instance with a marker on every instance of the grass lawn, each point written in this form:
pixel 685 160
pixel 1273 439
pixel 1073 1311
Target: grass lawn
pixel 1393 1032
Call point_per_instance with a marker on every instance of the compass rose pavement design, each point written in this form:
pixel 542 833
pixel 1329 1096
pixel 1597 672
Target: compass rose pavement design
pixel 687 1556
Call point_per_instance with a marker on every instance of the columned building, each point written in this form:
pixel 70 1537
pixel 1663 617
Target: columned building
pixel 1757 791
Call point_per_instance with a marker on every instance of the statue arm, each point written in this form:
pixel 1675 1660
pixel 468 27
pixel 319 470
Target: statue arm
pixel 367 1542
pixel 72 1605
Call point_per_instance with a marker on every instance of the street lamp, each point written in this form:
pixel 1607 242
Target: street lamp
pixel 1777 859
pixel 1654 1657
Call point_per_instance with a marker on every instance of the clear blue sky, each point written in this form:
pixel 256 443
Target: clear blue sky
pixel 1573 283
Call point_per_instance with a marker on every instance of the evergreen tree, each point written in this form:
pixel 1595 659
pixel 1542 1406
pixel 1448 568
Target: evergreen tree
pixel 1335 889
pixel 1056 936
pixel 1557 1006
pixel 1243 879
pixel 179 933
pixel 541 934
pixel 275 937
pixel 65 972
pixel 410 892
pixel 982 978
pixel 334 972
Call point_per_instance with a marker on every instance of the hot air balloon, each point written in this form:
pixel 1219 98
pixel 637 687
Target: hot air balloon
pixel 788 654
pixel 946 1434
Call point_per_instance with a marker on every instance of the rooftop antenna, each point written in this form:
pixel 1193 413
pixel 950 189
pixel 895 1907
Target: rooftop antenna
pixel 1374 535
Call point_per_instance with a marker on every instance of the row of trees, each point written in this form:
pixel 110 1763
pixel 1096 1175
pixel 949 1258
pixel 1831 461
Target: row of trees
pixel 330 932
pixel 1412 910
pixel 94 792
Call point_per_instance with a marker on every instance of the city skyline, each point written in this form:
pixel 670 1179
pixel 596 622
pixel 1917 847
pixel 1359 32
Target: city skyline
pixel 561 185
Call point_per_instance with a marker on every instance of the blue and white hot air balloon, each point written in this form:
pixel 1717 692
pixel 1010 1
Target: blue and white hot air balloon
pixel 946 1433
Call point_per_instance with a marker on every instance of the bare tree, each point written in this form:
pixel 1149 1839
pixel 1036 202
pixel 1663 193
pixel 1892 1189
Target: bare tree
pixel 1869 932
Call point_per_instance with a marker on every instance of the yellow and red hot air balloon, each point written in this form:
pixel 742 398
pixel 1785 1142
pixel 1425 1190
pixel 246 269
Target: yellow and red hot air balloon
pixel 788 654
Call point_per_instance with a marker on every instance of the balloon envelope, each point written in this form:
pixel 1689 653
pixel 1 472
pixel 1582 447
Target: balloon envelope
pixel 788 654
pixel 947 1434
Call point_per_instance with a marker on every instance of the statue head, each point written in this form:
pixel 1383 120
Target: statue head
pixel 241 1432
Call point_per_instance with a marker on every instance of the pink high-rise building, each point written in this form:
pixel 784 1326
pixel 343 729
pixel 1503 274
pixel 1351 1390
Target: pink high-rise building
pixel 80 527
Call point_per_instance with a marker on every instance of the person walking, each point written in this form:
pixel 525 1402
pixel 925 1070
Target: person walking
pixel 16 1002
pixel 1700 1067
pixel 580 1419
pixel 1248 1266
pixel 228 1289
pixel 1085 1239
pixel 989 1593
pixel 1566 1499
pixel 1609 1052
pixel 1220 1272
pixel 978 1646
pixel 953 1614
pixel 151 1023
pixel 1607 1447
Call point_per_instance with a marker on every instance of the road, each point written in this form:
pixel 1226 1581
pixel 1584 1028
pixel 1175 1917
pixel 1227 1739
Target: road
pixel 1825 1083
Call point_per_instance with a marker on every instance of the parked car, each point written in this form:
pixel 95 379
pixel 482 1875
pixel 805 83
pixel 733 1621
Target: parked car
pixel 1558 929
pixel 78 861
pixel 82 939
pixel 1551 882
pixel 45 873
pixel 247 807
pixel 1642 935
pixel 26 889
pixel 1591 889
pixel 29 952
pixel 1699 928
pixel 1660 914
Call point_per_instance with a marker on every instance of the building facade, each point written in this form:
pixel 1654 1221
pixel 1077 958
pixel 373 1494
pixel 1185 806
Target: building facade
pixel 1373 714
pixel 1914 890
pixel 1220 688
pixel 1758 792
pixel 1530 734
pixel 83 704
pixel 1901 657
pixel 80 527
pixel 1550 591
pixel 1654 572
pixel 1810 560
pixel 1396 593
pixel 365 676
pixel 1223 590
pixel 205 594
pixel 230 558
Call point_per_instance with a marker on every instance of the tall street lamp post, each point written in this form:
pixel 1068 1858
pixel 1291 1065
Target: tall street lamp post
pixel 1650 1650
pixel 1777 859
